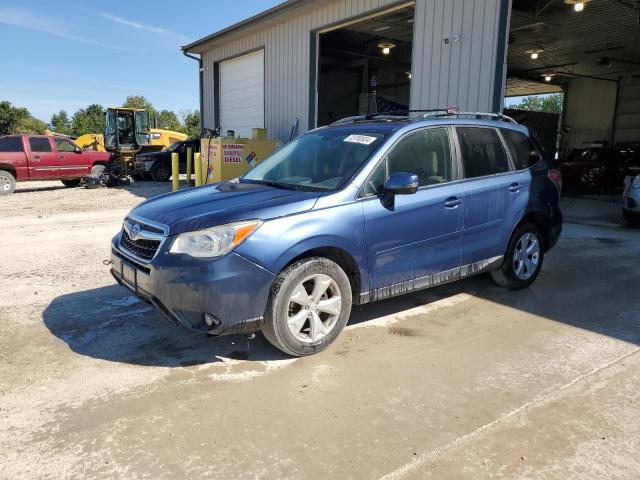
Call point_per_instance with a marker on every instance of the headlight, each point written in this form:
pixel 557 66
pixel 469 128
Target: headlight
pixel 215 241
pixel 635 184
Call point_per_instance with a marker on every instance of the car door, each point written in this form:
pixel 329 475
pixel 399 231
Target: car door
pixel 417 236
pixel 72 165
pixel 489 186
pixel 44 161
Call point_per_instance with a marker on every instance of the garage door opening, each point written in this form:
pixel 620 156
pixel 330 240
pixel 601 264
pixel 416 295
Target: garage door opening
pixel 587 49
pixel 365 67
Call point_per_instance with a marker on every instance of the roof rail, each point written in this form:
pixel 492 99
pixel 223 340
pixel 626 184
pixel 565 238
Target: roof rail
pixel 477 115
pixel 390 115
pixel 426 114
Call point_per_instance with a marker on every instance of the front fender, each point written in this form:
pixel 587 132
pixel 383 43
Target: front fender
pixel 277 242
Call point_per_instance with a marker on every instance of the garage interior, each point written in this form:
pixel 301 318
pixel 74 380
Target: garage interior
pixel 590 51
pixel 365 66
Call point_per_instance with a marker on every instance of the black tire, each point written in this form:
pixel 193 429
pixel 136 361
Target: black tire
pixel 7 183
pixel 506 276
pixel 275 328
pixel 160 172
pixel 71 183
pixel 97 169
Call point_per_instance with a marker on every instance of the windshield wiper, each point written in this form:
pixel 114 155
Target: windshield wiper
pixel 270 183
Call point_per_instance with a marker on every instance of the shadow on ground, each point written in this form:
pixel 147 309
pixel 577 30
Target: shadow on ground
pixel 589 281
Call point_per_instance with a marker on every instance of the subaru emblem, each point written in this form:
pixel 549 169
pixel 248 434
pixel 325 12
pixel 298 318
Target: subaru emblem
pixel 135 231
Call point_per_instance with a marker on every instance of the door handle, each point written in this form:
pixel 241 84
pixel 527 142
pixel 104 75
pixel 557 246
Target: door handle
pixel 36 157
pixel 452 202
pixel 514 188
pixel 61 156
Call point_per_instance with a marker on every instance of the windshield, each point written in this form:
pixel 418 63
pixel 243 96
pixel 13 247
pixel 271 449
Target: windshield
pixel 320 160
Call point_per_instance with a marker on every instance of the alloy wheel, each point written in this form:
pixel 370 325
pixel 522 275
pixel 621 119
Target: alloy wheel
pixel 314 308
pixel 526 256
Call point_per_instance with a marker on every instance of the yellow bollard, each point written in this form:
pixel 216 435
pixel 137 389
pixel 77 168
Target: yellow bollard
pixel 175 171
pixel 189 159
pixel 198 169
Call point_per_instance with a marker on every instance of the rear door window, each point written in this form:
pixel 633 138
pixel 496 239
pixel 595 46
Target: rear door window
pixel 40 144
pixel 482 152
pixel 523 153
pixel 11 144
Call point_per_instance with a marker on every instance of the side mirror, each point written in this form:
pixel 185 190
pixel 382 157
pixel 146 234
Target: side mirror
pixel 401 183
pixel 77 150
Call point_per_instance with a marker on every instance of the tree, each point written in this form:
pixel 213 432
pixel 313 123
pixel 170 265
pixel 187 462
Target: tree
pixel 61 123
pixel 168 120
pixel 30 124
pixel 88 120
pixel 541 103
pixel 191 123
pixel 18 120
pixel 9 117
pixel 138 101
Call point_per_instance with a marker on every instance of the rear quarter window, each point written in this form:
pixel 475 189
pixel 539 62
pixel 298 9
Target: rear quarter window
pixel 11 144
pixel 523 152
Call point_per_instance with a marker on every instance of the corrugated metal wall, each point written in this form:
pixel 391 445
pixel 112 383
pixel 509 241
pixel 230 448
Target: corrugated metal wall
pixel 628 114
pixel 459 73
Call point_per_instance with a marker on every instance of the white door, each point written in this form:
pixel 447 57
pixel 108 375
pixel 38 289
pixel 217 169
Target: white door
pixel 242 94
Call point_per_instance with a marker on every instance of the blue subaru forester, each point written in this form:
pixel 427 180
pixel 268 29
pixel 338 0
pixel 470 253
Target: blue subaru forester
pixel 365 209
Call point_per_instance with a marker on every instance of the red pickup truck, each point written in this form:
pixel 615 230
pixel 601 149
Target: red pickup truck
pixel 40 157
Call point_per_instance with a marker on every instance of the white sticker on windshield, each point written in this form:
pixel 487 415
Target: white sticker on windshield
pixel 363 139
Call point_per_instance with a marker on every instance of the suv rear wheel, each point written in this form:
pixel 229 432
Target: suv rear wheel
pixel 309 305
pixel 523 260
pixel 7 183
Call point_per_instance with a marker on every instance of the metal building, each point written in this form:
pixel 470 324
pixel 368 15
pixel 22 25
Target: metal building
pixel 317 61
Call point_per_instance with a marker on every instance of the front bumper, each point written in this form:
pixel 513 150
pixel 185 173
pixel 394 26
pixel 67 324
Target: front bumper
pixel 227 295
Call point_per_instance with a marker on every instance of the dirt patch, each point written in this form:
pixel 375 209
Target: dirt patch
pixel 404 332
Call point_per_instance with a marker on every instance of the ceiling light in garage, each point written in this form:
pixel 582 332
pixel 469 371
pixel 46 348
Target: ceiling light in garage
pixel 386 47
pixel 380 29
pixel 547 78
pixel 408 74
pixel 578 5
pixel 535 53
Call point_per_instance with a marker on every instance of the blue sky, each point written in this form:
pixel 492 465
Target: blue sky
pixel 77 53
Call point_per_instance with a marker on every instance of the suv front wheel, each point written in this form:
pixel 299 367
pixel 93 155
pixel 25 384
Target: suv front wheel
pixel 309 305
pixel 523 260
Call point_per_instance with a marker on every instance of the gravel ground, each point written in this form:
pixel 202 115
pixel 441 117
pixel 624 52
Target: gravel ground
pixel 463 381
pixel 42 199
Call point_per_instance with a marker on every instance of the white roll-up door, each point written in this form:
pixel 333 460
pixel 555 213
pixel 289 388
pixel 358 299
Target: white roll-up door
pixel 242 93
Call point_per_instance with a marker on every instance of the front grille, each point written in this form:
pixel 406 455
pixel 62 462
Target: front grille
pixel 145 249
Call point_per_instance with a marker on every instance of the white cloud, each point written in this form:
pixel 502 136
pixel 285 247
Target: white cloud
pixel 143 26
pixel 27 20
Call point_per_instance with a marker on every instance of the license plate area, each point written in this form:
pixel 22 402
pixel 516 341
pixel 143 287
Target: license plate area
pixel 129 276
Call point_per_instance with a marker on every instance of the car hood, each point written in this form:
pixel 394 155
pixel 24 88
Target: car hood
pixel 218 204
